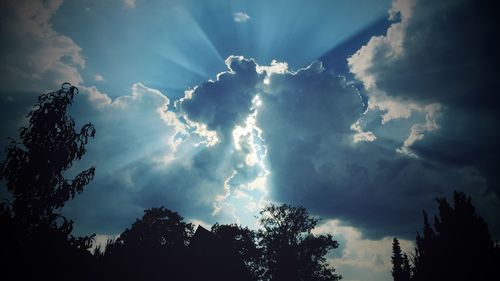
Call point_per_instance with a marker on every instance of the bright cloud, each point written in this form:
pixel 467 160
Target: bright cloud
pixel 99 78
pixel 241 17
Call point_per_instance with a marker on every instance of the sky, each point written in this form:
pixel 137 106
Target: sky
pixel 361 111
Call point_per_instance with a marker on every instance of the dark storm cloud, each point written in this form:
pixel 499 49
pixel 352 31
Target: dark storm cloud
pixel 446 54
pixel 306 119
pixel 449 53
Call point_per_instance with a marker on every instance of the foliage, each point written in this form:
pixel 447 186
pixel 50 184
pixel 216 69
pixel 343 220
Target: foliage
pixel 290 250
pixel 34 234
pixel 34 168
pixel 154 246
pixel 241 240
pixel 159 227
pixel 401 269
pixel 457 247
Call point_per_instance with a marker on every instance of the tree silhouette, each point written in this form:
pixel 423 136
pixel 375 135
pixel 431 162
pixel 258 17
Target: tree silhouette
pixel 459 246
pixel 161 246
pixel 34 234
pixel 407 269
pixel 290 250
pixel 153 248
pixel 33 169
pixel 243 242
pixel 401 269
pixel 159 227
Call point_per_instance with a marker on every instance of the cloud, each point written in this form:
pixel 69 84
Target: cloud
pixel 224 103
pixel 34 57
pixel 145 157
pixel 307 120
pixel 440 60
pixel 129 4
pixel 255 134
pixel 305 126
pixel 99 78
pixel 370 259
pixel 227 107
pixel 289 137
pixel 241 17
pixel 148 153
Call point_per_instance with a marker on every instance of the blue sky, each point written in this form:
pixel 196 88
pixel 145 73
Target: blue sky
pixel 361 111
pixel 171 45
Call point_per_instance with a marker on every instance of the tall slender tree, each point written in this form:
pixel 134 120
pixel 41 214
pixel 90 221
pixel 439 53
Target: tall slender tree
pixel 401 269
pixel 458 247
pixel 397 261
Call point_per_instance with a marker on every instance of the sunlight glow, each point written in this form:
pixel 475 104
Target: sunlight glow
pixel 245 194
pixel 179 49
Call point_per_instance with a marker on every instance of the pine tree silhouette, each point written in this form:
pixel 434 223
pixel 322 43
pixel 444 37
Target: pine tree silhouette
pixel 459 247
pixel 401 269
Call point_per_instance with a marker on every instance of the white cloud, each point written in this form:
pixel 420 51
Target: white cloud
pixel 141 103
pixel 385 51
pixel 418 130
pixel 129 4
pixel 366 255
pixel 360 134
pixel 241 17
pixel 99 78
